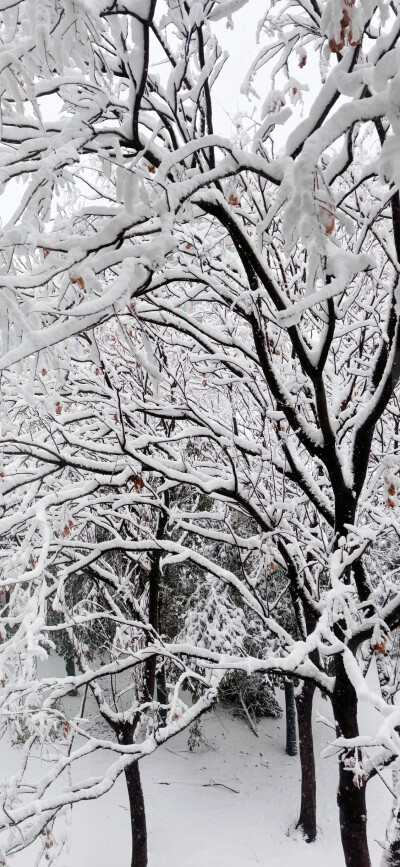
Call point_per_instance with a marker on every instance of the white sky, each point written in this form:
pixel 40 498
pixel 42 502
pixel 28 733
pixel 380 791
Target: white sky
pixel 241 45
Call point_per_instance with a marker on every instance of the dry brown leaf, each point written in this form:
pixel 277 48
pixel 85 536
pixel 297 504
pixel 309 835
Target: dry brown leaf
pixel 137 482
pixel 79 281
pixel 336 46
pixel 380 646
pixel 345 20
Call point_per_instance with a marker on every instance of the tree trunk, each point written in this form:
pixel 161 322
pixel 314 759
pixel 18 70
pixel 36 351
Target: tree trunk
pixel 71 672
pixel 162 695
pixel 351 792
pixel 308 807
pixel 138 816
pixel 291 737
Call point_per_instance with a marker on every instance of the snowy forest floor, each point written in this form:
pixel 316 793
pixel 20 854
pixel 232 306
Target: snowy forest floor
pixel 194 820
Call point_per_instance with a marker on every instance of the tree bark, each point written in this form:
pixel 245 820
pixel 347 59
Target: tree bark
pixel 291 737
pixel 351 791
pixel 137 815
pixel 162 696
pixel 127 731
pixel 308 806
pixel 150 668
pixel 71 672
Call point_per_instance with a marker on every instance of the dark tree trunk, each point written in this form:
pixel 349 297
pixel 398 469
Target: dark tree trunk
pixel 132 773
pixel 351 792
pixel 162 695
pixel 71 672
pixel 291 736
pixel 138 816
pixel 308 807
pixel 126 731
pixel 154 602
pixel 306 622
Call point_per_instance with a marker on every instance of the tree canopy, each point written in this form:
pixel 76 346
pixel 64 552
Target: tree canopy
pixel 200 362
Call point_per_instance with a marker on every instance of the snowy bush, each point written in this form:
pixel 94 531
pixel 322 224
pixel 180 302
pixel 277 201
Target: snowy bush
pixel 254 693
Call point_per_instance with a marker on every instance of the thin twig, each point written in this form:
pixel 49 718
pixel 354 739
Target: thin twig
pixel 177 754
pixel 248 717
pixel 382 777
pixel 236 791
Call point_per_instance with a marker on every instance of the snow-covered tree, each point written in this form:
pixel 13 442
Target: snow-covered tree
pixel 258 274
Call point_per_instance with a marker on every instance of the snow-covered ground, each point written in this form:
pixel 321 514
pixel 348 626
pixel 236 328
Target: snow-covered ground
pixel 227 804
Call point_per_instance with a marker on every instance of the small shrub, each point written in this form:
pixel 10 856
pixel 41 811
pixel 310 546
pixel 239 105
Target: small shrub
pixel 255 692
